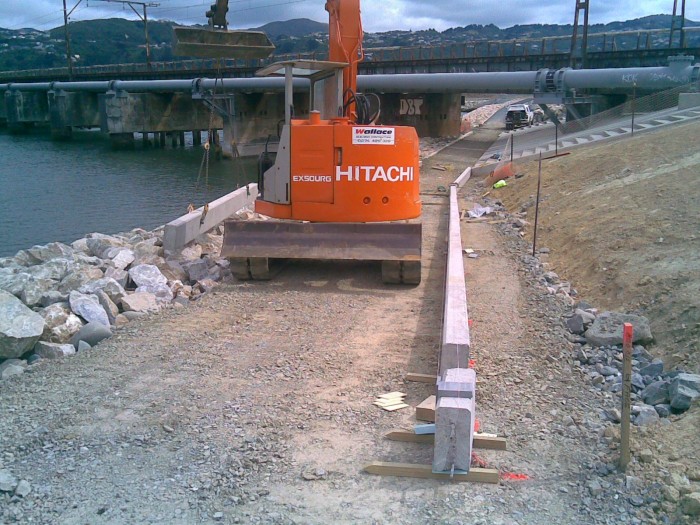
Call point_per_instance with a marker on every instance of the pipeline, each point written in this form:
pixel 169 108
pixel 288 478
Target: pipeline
pixel 611 80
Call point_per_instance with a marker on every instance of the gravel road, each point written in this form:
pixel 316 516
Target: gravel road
pixel 254 405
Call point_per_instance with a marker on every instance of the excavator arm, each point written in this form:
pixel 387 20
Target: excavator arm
pixel 217 15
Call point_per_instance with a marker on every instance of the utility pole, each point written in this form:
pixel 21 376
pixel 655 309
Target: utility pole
pixel 69 57
pixel 581 5
pixel 677 24
pixel 144 19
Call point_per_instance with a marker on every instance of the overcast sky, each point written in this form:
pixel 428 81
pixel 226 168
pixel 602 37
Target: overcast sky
pixel 377 15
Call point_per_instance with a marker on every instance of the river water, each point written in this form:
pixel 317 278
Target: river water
pixel 61 191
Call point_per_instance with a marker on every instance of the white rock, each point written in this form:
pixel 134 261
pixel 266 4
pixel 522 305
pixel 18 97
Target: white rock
pixel 23 489
pixel 20 328
pixel 147 275
pixel 140 302
pixel 88 307
pixel 123 258
pixel 53 350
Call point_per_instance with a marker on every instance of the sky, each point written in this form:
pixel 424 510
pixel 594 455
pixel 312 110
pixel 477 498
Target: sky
pixel 377 15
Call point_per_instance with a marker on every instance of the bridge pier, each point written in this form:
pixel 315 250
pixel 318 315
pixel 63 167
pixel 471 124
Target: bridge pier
pixel 432 114
pixel 164 113
pixel 24 109
pixel 72 109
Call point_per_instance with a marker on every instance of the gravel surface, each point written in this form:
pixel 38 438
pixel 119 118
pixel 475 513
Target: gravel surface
pixel 254 404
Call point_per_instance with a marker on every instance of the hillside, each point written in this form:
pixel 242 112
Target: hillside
pixel 621 223
pixel 117 41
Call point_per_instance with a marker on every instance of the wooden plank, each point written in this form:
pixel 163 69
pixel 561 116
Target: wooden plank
pixel 392 395
pixel 416 470
pixel 391 408
pixel 426 410
pixel 480 440
pixel 421 378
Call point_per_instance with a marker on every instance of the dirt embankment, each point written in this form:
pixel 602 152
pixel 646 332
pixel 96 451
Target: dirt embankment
pixel 622 222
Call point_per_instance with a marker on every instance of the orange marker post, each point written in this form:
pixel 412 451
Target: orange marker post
pixel 627 333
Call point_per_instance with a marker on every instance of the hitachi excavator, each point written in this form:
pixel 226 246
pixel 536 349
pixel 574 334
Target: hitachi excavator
pixel 339 186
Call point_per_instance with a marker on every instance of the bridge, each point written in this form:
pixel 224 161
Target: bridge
pixel 420 87
pixel 648 48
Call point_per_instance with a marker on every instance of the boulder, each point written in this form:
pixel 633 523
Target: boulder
pixel 121 257
pixel 684 389
pixel 20 327
pixel 35 289
pixel 88 307
pixel 12 367
pixel 109 306
pixel 110 286
pixel 575 324
pixel 690 504
pixel 53 350
pixel 148 247
pixel 606 330
pixel 54 315
pixel 53 297
pixel 173 271
pixel 13 283
pixel 54 250
pixel 210 243
pixel 147 275
pixel 55 270
pixel 7 481
pixel 196 270
pixel 656 393
pixel 161 291
pixel 140 302
pixel 98 245
pixel 653 369
pixel 154 260
pixel 647 415
pixel 63 332
pixel 191 252
pixel 83 346
pixel 78 278
pixel 91 333
pixel 120 276
pixel 80 245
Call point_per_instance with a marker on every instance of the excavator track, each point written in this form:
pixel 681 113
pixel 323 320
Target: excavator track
pixel 401 272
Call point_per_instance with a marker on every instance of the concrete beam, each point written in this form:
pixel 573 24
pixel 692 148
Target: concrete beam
pixel 188 227
pixel 454 351
pixel 454 434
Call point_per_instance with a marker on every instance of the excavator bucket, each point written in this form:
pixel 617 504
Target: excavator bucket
pixel 207 43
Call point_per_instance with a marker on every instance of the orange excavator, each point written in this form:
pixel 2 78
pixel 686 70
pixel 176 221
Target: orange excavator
pixel 339 185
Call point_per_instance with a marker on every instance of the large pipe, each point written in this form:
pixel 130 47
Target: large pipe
pixel 652 78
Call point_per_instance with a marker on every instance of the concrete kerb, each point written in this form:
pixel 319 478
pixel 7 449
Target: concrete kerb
pixel 188 227
pixel 456 384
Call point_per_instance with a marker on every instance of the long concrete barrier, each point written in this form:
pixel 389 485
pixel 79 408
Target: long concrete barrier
pixel 188 227
pixel 456 383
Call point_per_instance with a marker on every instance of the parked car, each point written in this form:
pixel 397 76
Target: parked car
pixel 518 116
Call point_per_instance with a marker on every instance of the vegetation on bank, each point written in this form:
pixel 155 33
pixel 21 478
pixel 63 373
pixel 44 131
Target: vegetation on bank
pixel 119 41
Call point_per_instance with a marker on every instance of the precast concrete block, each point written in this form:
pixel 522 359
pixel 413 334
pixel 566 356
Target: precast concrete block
pixel 454 434
pixel 188 227
pixel 458 382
